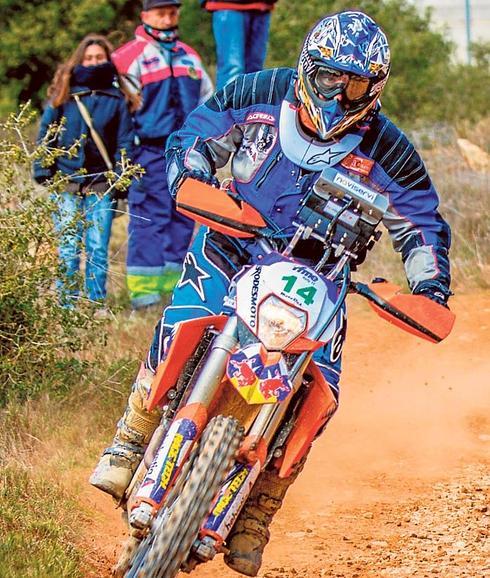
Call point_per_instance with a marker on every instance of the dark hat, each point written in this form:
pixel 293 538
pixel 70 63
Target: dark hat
pixel 149 4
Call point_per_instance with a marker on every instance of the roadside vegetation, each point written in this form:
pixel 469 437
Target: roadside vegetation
pixel 64 375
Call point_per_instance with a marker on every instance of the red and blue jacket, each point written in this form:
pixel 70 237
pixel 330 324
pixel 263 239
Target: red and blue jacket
pixel 172 83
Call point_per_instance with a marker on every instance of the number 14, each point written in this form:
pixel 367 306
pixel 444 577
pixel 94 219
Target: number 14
pixel 306 293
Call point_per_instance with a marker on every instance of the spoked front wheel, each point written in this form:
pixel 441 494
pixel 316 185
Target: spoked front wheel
pixel 176 527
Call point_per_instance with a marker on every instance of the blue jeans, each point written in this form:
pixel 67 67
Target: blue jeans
pixel 241 42
pixel 83 217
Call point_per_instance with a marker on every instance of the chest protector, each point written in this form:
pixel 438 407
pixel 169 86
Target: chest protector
pixel 304 150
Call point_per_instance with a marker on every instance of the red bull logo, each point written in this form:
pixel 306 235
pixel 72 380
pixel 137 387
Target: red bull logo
pixel 275 386
pixel 255 379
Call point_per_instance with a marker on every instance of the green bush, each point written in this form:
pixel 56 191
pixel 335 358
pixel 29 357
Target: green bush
pixel 38 337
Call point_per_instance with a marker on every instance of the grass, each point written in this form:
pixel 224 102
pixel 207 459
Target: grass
pixel 38 521
pixel 47 447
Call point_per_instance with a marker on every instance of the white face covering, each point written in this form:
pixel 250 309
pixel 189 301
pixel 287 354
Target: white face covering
pixel 304 150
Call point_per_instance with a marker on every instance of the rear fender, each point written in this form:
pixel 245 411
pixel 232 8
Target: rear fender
pixel 185 341
pixel 318 407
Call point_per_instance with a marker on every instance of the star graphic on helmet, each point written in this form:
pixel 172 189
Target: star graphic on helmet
pixel 193 275
pixel 325 157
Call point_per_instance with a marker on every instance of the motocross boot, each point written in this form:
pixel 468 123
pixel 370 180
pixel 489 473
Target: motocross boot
pixel 250 534
pixel 134 430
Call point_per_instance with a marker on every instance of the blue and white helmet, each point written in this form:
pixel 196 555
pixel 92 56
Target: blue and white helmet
pixel 342 69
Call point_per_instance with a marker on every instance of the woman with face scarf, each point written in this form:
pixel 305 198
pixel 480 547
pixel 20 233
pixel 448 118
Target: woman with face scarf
pixel 89 80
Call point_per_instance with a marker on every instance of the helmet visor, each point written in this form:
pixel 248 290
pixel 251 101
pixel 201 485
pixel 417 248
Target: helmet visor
pixel 329 82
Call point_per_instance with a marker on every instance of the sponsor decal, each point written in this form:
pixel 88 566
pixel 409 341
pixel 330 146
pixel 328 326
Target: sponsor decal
pixel 248 372
pixel 327 156
pixel 244 370
pixel 375 66
pixel 337 342
pixel 307 273
pixel 151 62
pixel 275 386
pixel 357 164
pixel 325 51
pixel 260 117
pixel 194 276
pixel 171 460
pixel 168 458
pixel 230 492
pixel 355 187
pixel 254 294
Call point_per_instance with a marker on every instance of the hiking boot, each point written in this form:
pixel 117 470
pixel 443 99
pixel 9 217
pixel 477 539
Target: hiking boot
pixel 250 534
pixel 118 463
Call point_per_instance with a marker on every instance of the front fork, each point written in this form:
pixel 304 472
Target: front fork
pixel 186 428
pixel 238 484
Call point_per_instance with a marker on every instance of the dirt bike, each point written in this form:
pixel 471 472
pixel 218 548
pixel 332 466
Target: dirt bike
pixel 240 391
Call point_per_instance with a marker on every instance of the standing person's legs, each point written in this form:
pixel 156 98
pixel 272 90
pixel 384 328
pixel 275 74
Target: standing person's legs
pixel 229 35
pixel 177 239
pixel 150 215
pixel 257 37
pixel 68 223
pixel 99 214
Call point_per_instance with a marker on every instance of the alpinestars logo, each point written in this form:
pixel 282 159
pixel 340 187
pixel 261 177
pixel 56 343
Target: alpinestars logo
pixel 327 156
pixel 194 276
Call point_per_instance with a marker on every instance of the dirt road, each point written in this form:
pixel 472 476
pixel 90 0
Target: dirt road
pixel 399 484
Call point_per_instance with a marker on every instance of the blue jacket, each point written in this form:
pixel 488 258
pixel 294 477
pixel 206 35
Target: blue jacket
pixel 247 121
pixel 111 119
pixel 172 83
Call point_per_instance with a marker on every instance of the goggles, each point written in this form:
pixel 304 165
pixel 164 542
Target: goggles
pixel 329 82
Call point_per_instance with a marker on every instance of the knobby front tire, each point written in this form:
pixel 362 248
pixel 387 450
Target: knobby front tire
pixel 177 526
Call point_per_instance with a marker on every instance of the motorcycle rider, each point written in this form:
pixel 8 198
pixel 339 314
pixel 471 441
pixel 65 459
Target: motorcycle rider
pixel 280 128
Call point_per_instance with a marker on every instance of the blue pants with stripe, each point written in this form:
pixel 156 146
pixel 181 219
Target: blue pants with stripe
pixel 210 264
pixel 158 236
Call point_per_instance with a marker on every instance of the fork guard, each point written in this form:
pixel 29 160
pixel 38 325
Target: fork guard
pixel 185 341
pixel 318 407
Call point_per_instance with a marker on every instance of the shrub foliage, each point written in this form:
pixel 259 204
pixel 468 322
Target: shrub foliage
pixel 38 337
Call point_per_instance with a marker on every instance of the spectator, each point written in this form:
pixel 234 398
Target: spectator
pixel 241 33
pixel 172 81
pixel 86 84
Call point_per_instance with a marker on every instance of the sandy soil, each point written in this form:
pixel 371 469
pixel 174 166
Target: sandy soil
pixel 399 483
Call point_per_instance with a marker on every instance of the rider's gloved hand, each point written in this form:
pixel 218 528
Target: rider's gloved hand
pixel 201 176
pixel 198 175
pixel 434 291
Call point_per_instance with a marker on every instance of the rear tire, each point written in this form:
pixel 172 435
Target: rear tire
pixel 174 530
